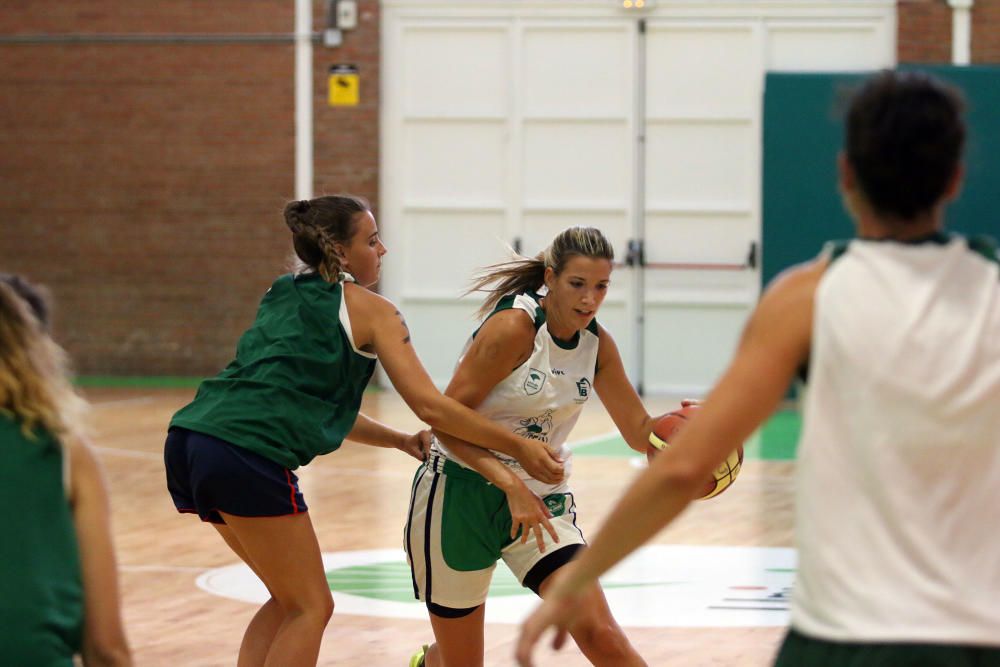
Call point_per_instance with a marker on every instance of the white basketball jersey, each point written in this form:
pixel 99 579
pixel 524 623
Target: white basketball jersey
pixel 542 398
pixel 898 471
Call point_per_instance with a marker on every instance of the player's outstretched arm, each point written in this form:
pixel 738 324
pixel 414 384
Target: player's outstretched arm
pixel 382 326
pixel 368 431
pixel 775 342
pixel 618 395
pixel 502 344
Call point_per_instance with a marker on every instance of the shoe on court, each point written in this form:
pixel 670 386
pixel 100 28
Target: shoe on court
pixel 418 658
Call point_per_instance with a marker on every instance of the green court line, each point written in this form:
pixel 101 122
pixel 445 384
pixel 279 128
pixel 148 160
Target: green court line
pixel 776 441
pixel 780 436
pixel 612 446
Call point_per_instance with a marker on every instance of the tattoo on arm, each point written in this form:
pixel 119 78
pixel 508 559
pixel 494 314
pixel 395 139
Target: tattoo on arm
pixel 403 321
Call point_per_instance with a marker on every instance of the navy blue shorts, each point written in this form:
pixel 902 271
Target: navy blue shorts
pixel 206 475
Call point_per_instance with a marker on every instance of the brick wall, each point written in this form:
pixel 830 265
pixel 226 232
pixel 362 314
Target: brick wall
pixel 144 183
pixel 924 31
pixel 986 32
pixel 347 138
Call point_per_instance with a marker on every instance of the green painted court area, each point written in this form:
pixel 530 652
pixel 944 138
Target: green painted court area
pixel 391 581
pixel 776 441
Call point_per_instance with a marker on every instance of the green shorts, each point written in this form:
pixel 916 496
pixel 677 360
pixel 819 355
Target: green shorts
pixel 459 527
pixel 801 651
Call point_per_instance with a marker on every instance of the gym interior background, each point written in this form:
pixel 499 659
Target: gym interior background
pixel 148 150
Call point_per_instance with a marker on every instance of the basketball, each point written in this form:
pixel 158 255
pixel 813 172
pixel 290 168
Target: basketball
pixel 669 425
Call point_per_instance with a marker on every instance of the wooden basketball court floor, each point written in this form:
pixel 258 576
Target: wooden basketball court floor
pixel 358 499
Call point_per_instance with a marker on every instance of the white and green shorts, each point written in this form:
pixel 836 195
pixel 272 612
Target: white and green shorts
pixel 459 526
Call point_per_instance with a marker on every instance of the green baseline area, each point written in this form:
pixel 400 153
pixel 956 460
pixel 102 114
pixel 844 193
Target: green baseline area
pixel 775 441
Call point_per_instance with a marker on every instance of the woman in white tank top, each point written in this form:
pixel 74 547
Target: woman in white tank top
pixel 899 460
pixel 531 366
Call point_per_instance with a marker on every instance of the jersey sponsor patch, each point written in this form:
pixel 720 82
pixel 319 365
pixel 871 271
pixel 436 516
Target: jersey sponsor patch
pixel 534 382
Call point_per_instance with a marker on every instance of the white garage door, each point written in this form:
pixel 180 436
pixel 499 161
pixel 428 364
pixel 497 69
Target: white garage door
pixel 504 123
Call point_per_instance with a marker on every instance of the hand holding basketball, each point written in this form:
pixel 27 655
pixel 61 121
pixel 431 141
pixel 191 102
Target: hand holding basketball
pixel 667 427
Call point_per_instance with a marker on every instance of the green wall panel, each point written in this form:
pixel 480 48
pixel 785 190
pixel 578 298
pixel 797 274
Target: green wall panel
pixel 803 133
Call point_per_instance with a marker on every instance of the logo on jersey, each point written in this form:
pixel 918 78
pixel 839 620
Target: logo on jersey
pixel 556 503
pixel 536 428
pixel 534 382
pixel 583 388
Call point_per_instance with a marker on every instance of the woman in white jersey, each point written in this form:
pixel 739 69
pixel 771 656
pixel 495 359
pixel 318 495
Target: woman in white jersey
pixel 899 459
pixel 471 506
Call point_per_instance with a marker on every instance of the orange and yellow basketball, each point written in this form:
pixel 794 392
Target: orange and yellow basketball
pixel 667 427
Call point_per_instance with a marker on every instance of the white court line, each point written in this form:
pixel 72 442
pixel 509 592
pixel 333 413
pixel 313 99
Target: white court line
pixel 122 401
pixel 356 472
pixel 113 451
pixel 161 568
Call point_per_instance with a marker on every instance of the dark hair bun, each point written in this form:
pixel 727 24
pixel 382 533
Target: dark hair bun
pixel 295 213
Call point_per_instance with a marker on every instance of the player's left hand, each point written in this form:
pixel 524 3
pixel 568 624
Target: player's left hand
pixel 558 610
pixel 417 445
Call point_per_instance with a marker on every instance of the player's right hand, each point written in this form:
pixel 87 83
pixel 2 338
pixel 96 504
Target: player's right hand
pixel 540 462
pixel 529 515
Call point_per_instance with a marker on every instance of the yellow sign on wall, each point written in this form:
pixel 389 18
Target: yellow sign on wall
pixel 344 86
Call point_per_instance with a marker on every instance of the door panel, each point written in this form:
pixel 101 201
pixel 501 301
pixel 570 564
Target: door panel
pixel 437 84
pixel 683 63
pixel 507 122
pixel 455 163
pixel 577 71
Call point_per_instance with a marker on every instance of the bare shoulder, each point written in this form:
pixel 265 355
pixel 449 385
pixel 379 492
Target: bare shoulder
pixel 360 297
pixel 512 323
pixel 783 318
pixel 84 470
pixel 603 334
pixel 365 306
pixel 796 284
pixel 373 302
pixel 605 341
pixel 375 320
pixel 80 453
pixel 508 336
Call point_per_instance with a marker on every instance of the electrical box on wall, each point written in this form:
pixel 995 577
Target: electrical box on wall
pixel 347 14
pixel 340 15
